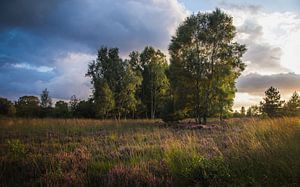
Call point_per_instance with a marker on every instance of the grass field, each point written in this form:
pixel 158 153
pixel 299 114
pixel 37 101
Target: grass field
pixel 143 153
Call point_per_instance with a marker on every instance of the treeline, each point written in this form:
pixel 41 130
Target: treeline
pixel 272 106
pixel 198 82
pixel 31 107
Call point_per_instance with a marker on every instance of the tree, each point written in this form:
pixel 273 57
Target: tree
pixel 155 83
pixel 120 80
pixel 243 111
pixel 28 106
pixel 272 103
pixel 205 63
pixel 46 104
pixel 7 108
pixel 137 67
pixel 292 107
pixel 86 109
pixel 61 109
pixel 253 111
pixel 105 102
pixel 236 114
pixel 46 101
pixel 73 105
pixel 127 97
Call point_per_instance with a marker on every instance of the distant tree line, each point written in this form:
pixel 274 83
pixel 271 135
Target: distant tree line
pixel 199 81
pixel 272 106
pixel 32 107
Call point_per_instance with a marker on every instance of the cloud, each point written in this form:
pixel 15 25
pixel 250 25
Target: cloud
pixel 272 41
pixel 251 88
pixel 42 69
pixel 265 35
pixel 63 81
pixel 48 43
pixel 70 77
pixel 16 82
pixel 126 24
pixel 251 8
pixel 245 100
pixel 256 84
pixel 253 5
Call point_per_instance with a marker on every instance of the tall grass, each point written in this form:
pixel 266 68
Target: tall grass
pixel 142 153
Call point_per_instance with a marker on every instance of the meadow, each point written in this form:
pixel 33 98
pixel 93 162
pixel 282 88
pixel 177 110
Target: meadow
pixel 60 152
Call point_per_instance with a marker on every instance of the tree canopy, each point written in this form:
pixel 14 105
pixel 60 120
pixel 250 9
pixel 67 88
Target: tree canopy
pixel 28 106
pixel 205 62
pixel 114 83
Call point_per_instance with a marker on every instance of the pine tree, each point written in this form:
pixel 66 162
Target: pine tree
pixel 292 107
pixel 272 103
pixel 243 112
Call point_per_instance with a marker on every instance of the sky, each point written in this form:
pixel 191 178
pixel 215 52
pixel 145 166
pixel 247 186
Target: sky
pixel 48 44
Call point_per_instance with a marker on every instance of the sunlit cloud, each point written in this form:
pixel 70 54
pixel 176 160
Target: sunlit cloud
pixel 70 77
pixel 269 37
pixel 245 100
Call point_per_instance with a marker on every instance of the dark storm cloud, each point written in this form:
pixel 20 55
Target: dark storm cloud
pixel 36 34
pixel 18 80
pixel 257 84
pixel 126 24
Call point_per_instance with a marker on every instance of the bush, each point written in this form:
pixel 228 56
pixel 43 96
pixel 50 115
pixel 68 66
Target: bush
pixel 189 168
pixel 6 107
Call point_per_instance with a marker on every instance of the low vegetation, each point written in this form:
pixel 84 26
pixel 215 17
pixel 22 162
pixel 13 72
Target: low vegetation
pixel 143 152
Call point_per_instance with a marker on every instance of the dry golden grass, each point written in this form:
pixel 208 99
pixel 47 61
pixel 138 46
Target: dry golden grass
pixel 141 152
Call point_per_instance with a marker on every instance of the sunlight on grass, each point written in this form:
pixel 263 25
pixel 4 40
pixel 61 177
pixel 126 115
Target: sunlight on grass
pixel 140 152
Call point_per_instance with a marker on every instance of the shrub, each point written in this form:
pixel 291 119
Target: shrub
pixel 189 168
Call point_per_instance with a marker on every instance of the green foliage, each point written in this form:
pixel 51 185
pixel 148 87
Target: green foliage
pixel 205 62
pixel 85 109
pixel 292 107
pixel 28 106
pixel 253 111
pixel 195 170
pixel 115 84
pixel 105 102
pixel 45 104
pixel 61 109
pixel 127 97
pixel 46 100
pixel 7 108
pixel 16 149
pixel 155 83
pixel 272 103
